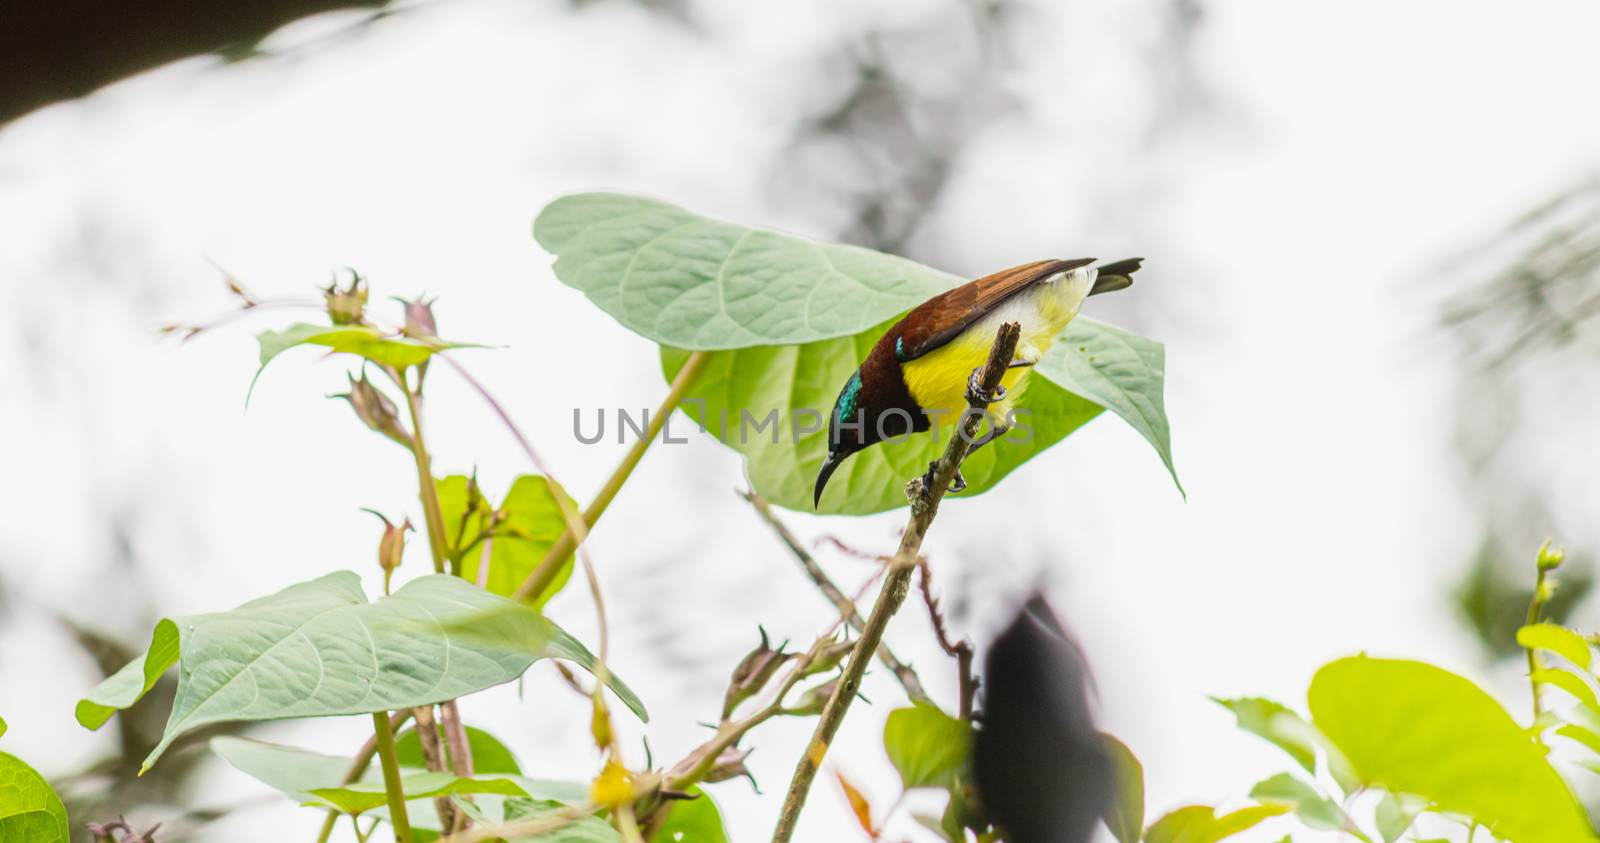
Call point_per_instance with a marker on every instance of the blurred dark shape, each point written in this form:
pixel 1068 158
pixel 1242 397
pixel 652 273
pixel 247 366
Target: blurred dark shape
pixel 677 10
pixel 1526 336
pixel 1495 604
pixel 886 143
pixel 63 49
pixel 1041 767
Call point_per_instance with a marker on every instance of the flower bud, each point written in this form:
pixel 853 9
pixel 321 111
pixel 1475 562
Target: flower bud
pixel 347 306
pixel 829 656
pixel 814 699
pixel 419 319
pixel 752 674
pixel 1550 558
pixel 392 547
pixel 729 765
pixel 375 409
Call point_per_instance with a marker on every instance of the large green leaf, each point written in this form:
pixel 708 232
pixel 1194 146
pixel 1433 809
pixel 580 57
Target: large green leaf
pixel 1200 823
pixel 29 809
pixel 928 747
pixel 531 524
pixel 489 755
pixel 319 648
pixel 1126 817
pixel 1417 729
pixel 696 820
pixel 797 385
pixel 791 318
pixel 687 281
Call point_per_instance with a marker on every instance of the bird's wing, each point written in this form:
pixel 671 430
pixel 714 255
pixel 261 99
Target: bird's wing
pixel 941 318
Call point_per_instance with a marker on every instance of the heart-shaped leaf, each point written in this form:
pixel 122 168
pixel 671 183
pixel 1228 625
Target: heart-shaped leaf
pixel 787 320
pixel 530 524
pixel 320 649
pixel 29 809
pixel 1413 728
pixel 489 755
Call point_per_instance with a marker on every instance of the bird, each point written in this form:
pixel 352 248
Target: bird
pixel 919 374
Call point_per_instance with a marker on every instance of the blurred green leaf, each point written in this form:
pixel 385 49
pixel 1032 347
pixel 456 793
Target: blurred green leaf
pixel 683 280
pixel 1395 813
pixel 1559 640
pixel 1126 817
pixel 1313 808
pixel 1277 723
pixel 530 526
pixel 319 649
pixel 2 727
pixel 1414 728
pixel 1200 823
pixel 1581 734
pixel 928 747
pixel 696 820
pixel 1120 371
pixel 30 810
pixel 489 755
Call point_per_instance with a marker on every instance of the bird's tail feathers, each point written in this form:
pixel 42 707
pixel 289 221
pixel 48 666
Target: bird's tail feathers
pixel 1115 276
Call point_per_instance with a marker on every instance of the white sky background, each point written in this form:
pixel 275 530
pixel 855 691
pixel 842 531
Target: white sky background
pixel 1293 239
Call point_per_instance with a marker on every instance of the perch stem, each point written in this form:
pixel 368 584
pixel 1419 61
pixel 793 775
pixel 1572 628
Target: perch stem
pixel 924 506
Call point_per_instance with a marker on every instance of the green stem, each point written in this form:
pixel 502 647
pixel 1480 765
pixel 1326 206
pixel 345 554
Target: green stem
pixel 391 778
pixel 1541 593
pixel 545 573
pixel 357 767
pixel 431 512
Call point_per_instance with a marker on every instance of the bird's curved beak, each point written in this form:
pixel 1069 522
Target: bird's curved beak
pixel 828 466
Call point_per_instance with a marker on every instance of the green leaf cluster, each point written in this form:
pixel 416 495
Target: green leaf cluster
pixel 527 523
pixel 320 649
pixel 786 320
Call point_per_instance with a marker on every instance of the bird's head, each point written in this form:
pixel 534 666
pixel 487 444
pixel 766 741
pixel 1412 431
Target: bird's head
pixel 847 432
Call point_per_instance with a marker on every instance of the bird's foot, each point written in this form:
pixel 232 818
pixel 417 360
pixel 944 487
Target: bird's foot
pixel 957 483
pixel 975 391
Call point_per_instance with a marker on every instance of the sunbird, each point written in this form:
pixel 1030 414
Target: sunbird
pixel 919 374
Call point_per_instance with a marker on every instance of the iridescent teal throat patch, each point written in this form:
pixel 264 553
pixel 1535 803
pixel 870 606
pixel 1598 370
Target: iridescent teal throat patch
pixel 847 399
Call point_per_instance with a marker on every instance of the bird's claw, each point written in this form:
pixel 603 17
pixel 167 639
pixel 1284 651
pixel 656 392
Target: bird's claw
pixel 975 391
pixel 957 483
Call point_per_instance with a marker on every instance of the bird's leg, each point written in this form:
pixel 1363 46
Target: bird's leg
pixel 994 432
pixel 957 483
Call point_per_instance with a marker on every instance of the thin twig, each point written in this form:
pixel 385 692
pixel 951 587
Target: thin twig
pixel 924 506
pixel 433 759
pixel 847 607
pixel 961 650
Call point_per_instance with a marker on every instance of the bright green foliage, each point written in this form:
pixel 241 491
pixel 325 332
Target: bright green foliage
pixel 1200 823
pixel 489 755
pixel 360 797
pixel 1413 728
pixel 691 282
pixel 696 820
pixel 1126 817
pixel 1395 813
pixel 928 747
pixel 1278 724
pixel 319 648
pixel 1313 808
pixel 29 809
pixel 800 383
pixel 531 523
pixel 2 727
pixel 1559 640
pixel 791 318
